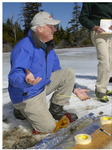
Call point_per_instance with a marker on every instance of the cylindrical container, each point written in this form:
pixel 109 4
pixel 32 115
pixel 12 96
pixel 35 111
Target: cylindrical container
pixel 105 120
pixel 83 139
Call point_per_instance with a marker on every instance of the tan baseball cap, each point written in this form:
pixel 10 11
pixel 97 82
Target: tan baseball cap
pixel 43 18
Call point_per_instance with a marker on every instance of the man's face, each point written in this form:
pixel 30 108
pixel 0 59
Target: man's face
pixel 47 33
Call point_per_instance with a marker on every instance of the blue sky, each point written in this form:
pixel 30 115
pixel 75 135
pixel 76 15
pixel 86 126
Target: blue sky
pixel 59 10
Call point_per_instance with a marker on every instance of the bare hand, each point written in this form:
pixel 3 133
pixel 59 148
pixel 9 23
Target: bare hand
pixel 110 28
pixel 81 94
pixel 30 78
pixel 98 29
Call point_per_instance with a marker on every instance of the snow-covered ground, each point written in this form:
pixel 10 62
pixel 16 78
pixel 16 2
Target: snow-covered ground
pixel 84 62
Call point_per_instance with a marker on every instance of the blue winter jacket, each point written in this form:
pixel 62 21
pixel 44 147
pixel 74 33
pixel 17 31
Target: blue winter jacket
pixel 30 53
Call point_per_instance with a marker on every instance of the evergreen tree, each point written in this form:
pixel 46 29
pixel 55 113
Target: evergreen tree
pixel 80 36
pixel 59 36
pixel 56 35
pixel 68 38
pixel 75 20
pixel 85 37
pixel 12 32
pixel 75 25
pixel 7 32
pixel 29 11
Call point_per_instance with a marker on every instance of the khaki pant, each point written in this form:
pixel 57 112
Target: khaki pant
pixel 36 110
pixel 103 44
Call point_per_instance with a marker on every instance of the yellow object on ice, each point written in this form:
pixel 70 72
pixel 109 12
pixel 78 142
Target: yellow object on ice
pixel 105 120
pixel 83 139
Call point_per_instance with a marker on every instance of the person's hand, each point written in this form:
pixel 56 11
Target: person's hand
pixel 110 28
pixel 98 29
pixel 81 94
pixel 30 78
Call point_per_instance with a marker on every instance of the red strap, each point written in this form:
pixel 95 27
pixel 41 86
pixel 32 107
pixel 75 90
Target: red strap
pixel 35 132
pixel 69 117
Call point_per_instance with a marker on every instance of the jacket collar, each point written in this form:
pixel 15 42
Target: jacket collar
pixel 36 40
pixel 46 46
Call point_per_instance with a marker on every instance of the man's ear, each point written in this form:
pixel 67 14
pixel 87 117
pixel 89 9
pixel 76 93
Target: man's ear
pixel 39 28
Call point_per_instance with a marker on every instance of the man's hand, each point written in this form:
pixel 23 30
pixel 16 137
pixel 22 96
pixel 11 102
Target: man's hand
pixel 81 94
pixel 30 78
pixel 110 28
pixel 98 29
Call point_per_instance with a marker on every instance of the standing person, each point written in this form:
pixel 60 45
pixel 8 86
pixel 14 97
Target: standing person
pixel 90 17
pixel 36 72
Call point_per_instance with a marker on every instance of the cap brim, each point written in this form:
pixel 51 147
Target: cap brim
pixel 54 22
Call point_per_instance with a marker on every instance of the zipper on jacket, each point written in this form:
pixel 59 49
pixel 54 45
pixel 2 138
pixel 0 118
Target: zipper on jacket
pixel 46 62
